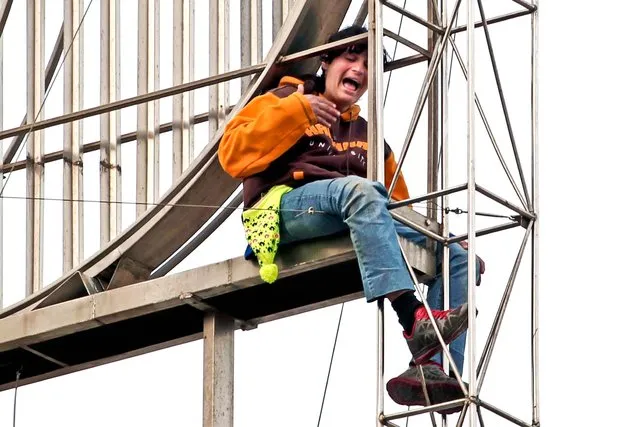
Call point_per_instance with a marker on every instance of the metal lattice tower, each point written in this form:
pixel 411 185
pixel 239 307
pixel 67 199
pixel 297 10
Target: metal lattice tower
pixel 126 288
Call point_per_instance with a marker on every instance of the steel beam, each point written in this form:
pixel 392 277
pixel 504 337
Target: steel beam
pixel 148 148
pixel 4 14
pixel 110 170
pixel 1 174
pixel 219 332
pixel 52 64
pixel 433 121
pixel 470 220
pixel 128 302
pixel 375 165
pixel 219 62
pixel 535 170
pixel 35 146
pixel 280 10
pixel 251 35
pixel 73 217
pixel 183 56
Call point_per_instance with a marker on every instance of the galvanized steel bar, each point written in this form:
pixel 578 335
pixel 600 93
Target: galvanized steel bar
pixel 534 106
pixel 484 232
pixel 375 165
pixel 4 14
pixel 362 13
pixel 531 7
pixel 443 130
pixel 484 119
pixel 413 17
pixel 502 99
pixel 280 10
pixel 421 100
pixel 431 196
pixel 52 64
pixel 183 56
pixel 197 84
pixel 470 173
pixel 1 173
pixel 494 20
pixel 406 42
pixel 504 414
pixel 219 349
pixel 148 147
pixel 380 360
pixel 484 360
pixel 439 407
pixel 134 100
pixel 166 127
pixel 35 146
pixel 251 35
pixel 110 169
pixel 72 191
pixel 219 62
pixel 433 143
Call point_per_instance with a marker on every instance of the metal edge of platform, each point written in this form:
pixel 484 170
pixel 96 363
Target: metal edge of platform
pixel 65 318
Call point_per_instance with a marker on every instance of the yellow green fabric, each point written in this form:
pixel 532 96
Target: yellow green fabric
pixel 262 230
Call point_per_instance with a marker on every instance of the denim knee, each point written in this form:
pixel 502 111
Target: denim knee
pixel 364 191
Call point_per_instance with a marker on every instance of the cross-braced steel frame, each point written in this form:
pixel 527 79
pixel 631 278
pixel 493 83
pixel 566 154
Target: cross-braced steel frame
pixel 433 97
pixel 153 209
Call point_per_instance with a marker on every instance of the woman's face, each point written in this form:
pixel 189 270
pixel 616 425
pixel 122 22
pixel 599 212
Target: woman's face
pixel 346 79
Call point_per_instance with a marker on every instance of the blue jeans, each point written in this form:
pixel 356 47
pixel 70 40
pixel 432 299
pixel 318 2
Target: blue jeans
pixel 360 206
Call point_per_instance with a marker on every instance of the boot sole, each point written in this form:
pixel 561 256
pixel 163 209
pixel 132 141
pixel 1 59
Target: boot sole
pixel 409 393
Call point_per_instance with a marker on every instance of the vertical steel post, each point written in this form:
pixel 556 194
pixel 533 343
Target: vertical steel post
pixel 535 199
pixel 280 11
pixel 443 96
pixel 110 172
pixel 35 145
pixel 433 121
pixel 218 345
pixel 470 105
pixel 219 62
pixel 1 174
pixel 375 165
pixel 147 169
pixel 251 35
pixel 183 56
pixel 73 217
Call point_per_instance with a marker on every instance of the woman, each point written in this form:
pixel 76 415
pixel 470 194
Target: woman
pixel 302 148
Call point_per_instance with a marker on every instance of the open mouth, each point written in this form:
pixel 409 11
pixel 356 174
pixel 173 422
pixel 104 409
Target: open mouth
pixel 351 84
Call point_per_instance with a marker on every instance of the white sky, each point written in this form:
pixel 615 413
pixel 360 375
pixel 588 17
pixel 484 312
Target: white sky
pixel 588 111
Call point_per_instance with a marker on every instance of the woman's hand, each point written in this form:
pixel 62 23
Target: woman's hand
pixel 324 110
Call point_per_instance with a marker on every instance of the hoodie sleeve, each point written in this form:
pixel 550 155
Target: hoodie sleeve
pixel 262 131
pixel 390 166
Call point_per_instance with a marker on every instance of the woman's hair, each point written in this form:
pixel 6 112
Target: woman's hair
pixel 317 83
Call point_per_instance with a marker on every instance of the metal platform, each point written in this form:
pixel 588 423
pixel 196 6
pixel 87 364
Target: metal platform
pixel 60 337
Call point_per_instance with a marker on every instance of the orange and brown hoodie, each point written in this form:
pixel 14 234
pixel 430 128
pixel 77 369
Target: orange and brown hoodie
pixel 276 140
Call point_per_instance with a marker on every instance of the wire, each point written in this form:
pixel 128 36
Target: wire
pixel 330 365
pixel 15 395
pixel 176 205
pixel 46 95
pixel 309 211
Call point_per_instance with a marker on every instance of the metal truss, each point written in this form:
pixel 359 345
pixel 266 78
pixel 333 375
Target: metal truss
pixel 125 258
pixel 433 97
